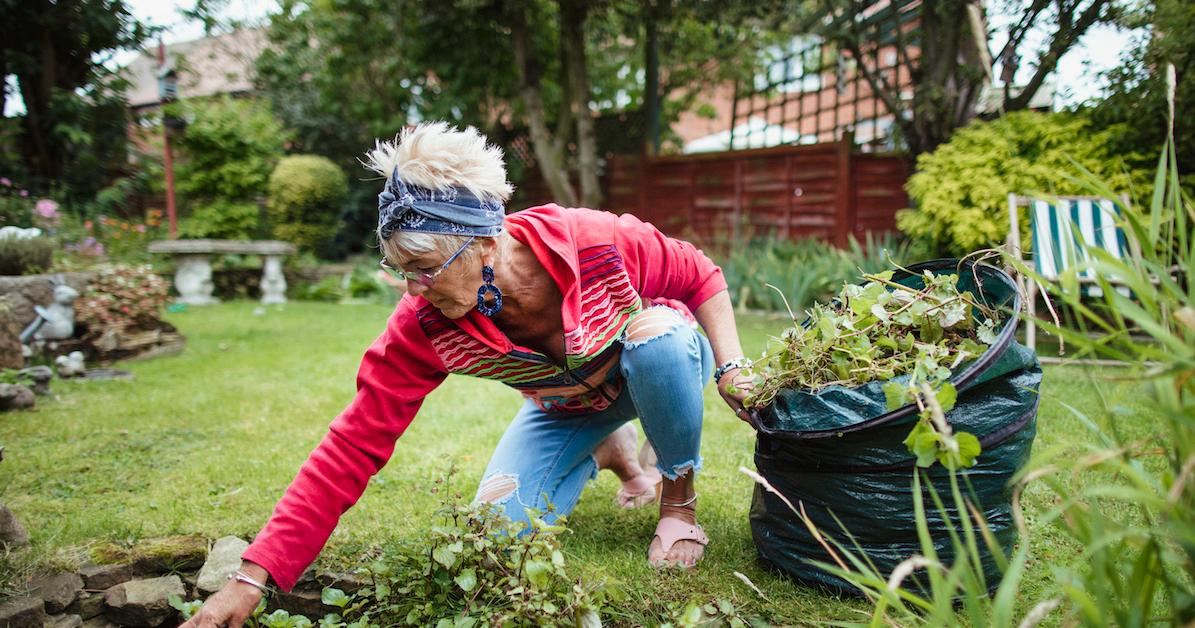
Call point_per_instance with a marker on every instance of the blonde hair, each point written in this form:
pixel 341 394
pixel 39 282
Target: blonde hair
pixel 438 156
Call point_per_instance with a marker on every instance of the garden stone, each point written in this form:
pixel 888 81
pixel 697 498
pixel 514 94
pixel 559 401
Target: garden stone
pixel 15 397
pixel 224 559
pixel 306 603
pixel 58 591
pixel 100 577
pixel 22 612
pixel 87 605
pixel 156 556
pixel 12 533
pixel 41 376
pixel 98 622
pixel 64 621
pixel 142 602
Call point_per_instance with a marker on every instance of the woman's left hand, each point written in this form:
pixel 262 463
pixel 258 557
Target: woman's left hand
pixel 735 386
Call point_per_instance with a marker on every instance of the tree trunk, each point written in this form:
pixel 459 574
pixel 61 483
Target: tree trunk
pixel 948 77
pixel 549 153
pixel 572 36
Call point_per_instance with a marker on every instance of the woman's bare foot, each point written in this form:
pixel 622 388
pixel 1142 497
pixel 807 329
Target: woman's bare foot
pixel 679 541
pixel 617 453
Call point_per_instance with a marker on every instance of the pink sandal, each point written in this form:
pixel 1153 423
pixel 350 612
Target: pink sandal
pixel 639 491
pixel 670 530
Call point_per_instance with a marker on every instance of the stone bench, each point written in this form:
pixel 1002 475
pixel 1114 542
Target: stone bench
pixel 193 269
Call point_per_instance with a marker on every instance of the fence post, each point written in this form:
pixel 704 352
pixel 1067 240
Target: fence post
pixel 844 197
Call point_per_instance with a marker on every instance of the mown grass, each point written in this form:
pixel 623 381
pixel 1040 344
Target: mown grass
pixel 206 442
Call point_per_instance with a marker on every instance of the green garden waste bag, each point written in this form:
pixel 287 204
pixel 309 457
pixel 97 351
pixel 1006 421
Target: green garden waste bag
pixel 839 453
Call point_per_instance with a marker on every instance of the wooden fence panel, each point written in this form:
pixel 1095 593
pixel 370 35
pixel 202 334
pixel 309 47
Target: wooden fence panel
pixel 822 190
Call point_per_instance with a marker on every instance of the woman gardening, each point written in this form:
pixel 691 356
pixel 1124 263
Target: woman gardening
pixel 590 315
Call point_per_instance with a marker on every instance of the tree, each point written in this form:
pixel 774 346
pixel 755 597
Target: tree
pixel 547 68
pixel 73 127
pixel 1134 107
pixel 953 63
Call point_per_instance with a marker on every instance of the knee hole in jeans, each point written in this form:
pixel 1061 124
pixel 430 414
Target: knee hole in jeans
pixel 497 488
pixel 651 324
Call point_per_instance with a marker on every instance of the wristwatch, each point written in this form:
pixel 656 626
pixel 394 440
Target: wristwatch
pixel 737 363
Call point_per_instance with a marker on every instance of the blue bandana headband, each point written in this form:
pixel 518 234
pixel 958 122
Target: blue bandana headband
pixel 456 211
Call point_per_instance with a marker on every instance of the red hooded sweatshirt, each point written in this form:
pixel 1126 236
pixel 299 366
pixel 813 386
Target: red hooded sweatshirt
pixel 605 265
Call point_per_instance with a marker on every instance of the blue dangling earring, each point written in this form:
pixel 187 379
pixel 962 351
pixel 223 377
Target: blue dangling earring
pixel 487 274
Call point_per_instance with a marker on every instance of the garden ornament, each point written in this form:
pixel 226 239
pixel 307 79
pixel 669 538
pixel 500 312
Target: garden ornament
pixel 71 365
pixel 59 316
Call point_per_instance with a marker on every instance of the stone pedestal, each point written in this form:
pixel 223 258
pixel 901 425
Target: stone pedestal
pixel 273 282
pixel 193 277
pixel 193 280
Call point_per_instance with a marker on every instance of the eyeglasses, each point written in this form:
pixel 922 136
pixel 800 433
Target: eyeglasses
pixel 422 277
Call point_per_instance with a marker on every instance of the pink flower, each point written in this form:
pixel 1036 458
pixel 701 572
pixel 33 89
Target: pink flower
pixel 5 182
pixel 46 208
pixel 140 228
pixel 24 193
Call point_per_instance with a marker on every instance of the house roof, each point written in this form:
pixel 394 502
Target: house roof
pixel 221 64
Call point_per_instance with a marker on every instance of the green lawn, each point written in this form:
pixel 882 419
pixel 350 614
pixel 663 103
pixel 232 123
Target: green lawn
pixel 206 442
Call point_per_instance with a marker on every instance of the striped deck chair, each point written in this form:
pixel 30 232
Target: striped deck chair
pixel 1059 227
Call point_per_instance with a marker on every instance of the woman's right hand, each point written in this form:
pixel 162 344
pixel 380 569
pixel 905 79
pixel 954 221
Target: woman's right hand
pixel 231 605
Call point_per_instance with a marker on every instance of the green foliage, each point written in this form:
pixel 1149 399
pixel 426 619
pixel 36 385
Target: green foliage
pixel 960 191
pixel 226 156
pixel 16 207
pixel 306 194
pixel 477 568
pixel 327 290
pixel 1134 106
pixel 72 133
pixel 910 337
pixel 25 256
pixel 803 271
pixel 1134 517
pixel 14 376
pixel 223 219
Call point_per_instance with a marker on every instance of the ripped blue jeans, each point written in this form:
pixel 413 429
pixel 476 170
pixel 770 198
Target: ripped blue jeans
pixel 545 458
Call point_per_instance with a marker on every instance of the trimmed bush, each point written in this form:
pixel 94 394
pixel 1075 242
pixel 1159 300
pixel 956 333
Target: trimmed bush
pixel 306 195
pixel 21 256
pixel 223 220
pixel 961 189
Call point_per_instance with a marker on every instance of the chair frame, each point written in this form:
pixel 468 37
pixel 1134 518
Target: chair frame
pixel 1031 288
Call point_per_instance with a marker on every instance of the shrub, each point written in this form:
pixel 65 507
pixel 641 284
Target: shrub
pixel 226 220
pixel 25 256
pixel 228 150
pixel 306 194
pixel 475 568
pixel 122 297
pixel 805 270
pixel 961 189
pixel 15 205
